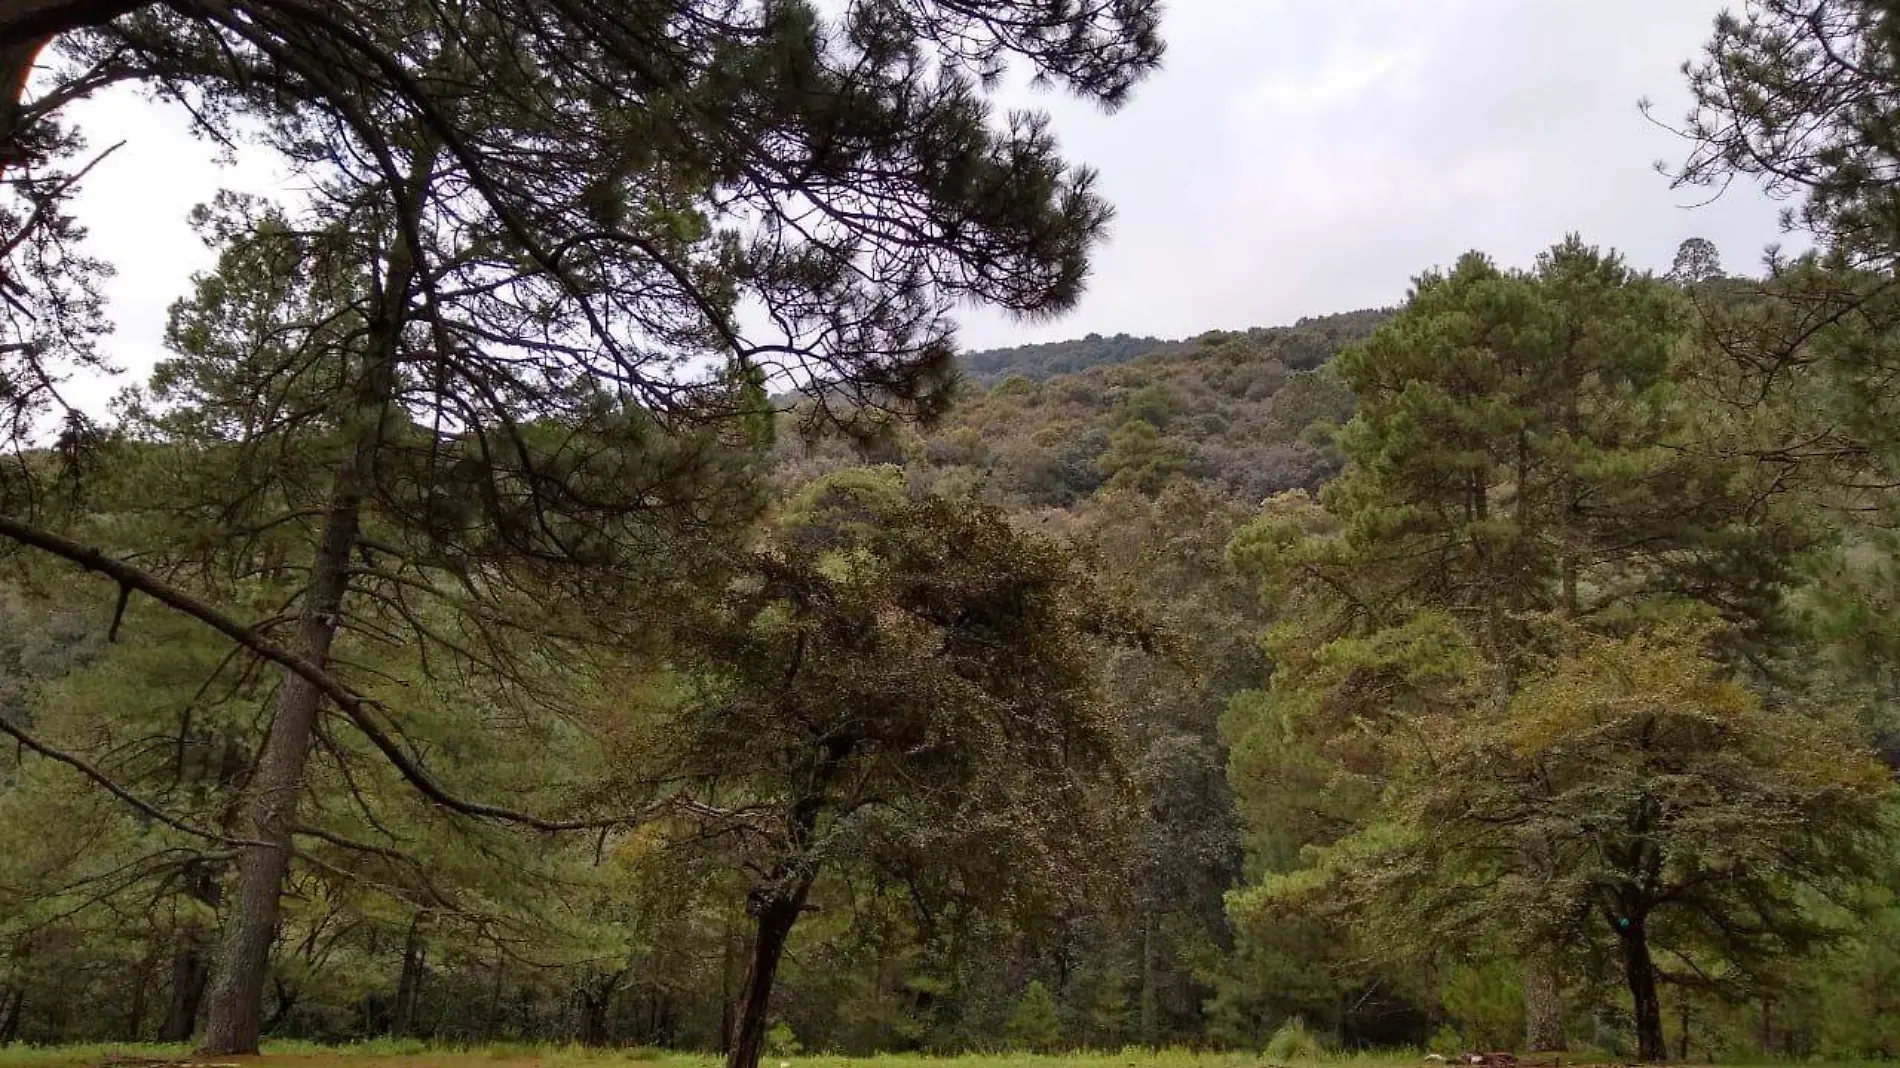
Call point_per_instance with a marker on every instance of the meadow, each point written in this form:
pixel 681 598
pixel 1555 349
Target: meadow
pixel 397 1053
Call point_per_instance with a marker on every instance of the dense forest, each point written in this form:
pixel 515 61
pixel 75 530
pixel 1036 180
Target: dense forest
pixel 469 632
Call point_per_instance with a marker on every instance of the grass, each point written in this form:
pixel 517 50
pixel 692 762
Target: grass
pixel 397 1053
pixel 388 1053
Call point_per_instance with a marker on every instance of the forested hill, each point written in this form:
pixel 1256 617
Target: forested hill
pixel 1049 359
pixel 1244 414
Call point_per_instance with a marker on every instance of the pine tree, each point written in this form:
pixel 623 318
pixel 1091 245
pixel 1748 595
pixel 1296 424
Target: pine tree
pixel 1523 461
pixel 487 343
pixel 1034 1025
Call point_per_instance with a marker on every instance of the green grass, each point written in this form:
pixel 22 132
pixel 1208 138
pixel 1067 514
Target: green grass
pixel 410 1053
pixel 392 1053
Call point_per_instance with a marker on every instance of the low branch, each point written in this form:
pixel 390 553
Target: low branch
pixel 85 768
pixel 353 705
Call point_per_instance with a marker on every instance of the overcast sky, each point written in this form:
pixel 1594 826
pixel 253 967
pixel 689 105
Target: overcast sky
pixel 1294 157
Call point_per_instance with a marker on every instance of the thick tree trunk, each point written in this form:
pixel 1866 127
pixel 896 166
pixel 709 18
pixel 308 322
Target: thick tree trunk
pixel 237 993
pixel 11 1000
pixel 191 961
pixel 190 972
pixel 265 817
pixel 775 920
pixel 597 1012
pixel 1640 973
pixel 409 981
pixel 16 66
pixel 1543 1004
pixel 23 21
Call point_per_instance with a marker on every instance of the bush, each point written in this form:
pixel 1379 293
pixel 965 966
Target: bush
pixel 780 1041
pixel 1293 1042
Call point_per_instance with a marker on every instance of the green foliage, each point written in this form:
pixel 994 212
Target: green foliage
pixel 1487 1000
pixel 1137 458
pixel 1033 1025
pixel 781 1042
pixel 1035 363
pixel 1531 467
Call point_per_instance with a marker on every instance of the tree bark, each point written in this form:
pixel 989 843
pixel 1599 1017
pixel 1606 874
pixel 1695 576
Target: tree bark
pixel 141 988
pixel 191 966
pixel 1682 1035
pixel 237 993
pixel 235 1016
pixel 1543 1004
pixel 190 972
pixel 728 961
pixel 286 1001
pixel 775 919
pixel 597 1003
pixel 16 67
pixel 409 981
pixel 22 21
pixel 1150 964
pixel 11 999
pixel 1640 973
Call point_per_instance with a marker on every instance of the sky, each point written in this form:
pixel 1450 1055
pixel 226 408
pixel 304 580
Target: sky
pixel 1292 158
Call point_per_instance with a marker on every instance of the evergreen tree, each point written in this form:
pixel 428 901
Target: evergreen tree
pixel 489 331
pixel 1521 457
pixel 1034 1024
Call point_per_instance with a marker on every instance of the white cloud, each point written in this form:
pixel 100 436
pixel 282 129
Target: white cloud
pixel 1295 157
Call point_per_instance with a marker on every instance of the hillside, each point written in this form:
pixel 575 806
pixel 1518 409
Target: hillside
pixel 1299 346
pixel 1049 359
pixel 1245 414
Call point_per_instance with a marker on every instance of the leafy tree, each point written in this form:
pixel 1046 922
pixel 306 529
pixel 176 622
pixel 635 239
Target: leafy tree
pixel 1521 453
pixel 560 152
pixel 527 247
pixel 1691 828
pixel 1139 458
pixel 905 686
pixel 1697 261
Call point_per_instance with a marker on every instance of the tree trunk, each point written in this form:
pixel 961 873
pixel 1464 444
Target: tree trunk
pixel 596 1012
pixel 775 919
pixel 729 955
pixel 1640 973
pixel 491 1024
pixel 1543 1004
pixel 22 21
pixel 191 965
pixel 11 998
pixel 190 972
pixel 286 1001
pixel 237 993
pixel 1682 1037
pixel 141 994
pixel 270 801
pixel 409 982
pixel 1150 1008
